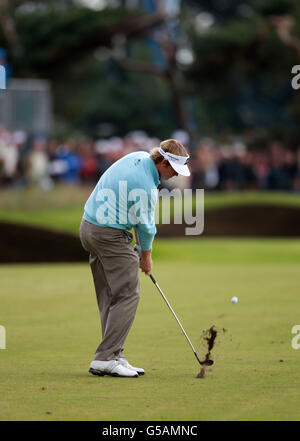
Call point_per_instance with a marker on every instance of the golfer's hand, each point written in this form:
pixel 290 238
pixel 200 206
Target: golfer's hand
pixel 146 262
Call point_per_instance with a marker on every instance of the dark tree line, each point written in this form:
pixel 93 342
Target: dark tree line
pixel 103 70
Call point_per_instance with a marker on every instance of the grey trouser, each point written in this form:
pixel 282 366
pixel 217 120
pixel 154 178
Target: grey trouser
pixel 115 269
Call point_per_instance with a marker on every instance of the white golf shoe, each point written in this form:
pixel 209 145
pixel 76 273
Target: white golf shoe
pixel 125 363
pixel 113 368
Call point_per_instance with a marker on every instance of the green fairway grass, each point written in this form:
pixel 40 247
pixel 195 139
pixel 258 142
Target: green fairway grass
pixel 52 325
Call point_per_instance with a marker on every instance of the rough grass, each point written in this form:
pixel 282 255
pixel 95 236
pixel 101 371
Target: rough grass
pixel 52 326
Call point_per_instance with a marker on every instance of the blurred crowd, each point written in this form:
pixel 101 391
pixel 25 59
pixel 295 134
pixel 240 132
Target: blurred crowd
pixel 235 167
pixel 26 161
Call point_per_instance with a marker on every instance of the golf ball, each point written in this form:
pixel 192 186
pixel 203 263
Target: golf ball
pixel 234 299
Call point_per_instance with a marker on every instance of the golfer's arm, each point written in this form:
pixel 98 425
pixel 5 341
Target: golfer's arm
pixel 146 234
pixel 146 254
pixel 146 261
pixel 146 229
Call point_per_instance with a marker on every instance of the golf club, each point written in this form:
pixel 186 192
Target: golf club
pixel 205 362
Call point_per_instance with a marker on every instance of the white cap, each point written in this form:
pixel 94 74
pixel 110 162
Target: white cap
pixel 178 163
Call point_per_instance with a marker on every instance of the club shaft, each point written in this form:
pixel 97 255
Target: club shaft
pixel 173 312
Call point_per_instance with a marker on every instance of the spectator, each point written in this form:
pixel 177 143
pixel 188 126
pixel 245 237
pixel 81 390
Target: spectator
pixel 103 157
pixel 290 167
pixel 89 168
pixel 278 178
pixel 261 167
pixel 68 154
pixel 9 157
pixel 20 139
pixel 231 170
pixel 248 179
pixel 205 173
pixel 56 167
pixel 37 161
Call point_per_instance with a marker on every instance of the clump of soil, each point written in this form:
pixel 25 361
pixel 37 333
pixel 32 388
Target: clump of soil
pixel 202 372
pixel 209 336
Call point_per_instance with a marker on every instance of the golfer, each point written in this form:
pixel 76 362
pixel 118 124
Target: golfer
pixel 124 198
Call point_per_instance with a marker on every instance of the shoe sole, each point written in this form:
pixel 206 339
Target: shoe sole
pixel 101 374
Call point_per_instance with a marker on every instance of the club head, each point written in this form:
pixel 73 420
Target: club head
pixel 208 363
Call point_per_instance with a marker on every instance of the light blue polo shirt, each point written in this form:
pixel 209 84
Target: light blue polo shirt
pixel 125 197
